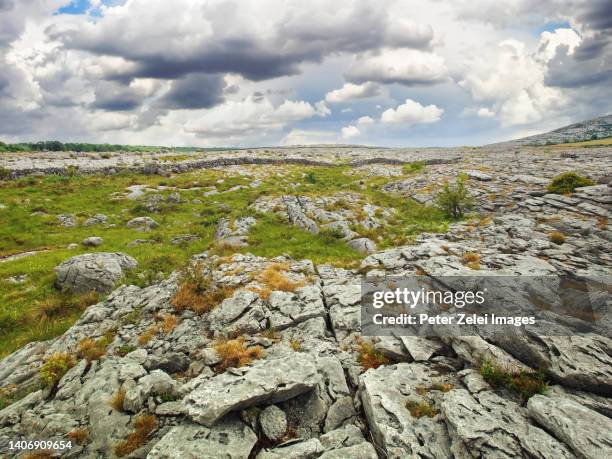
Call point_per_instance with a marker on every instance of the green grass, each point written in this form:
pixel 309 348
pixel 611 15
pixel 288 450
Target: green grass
pixel 525 384
pixel 585 143
pixel 84 196
pixel 568 182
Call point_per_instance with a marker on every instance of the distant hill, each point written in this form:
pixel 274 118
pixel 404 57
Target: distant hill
pixel 597 128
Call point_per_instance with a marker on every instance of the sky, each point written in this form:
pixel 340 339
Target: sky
pixel 243 73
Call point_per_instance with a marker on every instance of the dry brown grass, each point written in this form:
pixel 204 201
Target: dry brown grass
pixel 235 354
pixel 116 401
pixel 148 334
pixel 40 454
pixel 602 223
pixel 168 322
pixel 198 293
pixel 91 349
pixel 556 237
pixel 274 279
pixel 369 357
pixel 471 260
pixel 442 387
pixel 78 435
pixel 144 424
pixel 418 410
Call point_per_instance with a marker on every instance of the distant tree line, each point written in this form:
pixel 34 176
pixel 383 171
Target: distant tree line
pixel 56 145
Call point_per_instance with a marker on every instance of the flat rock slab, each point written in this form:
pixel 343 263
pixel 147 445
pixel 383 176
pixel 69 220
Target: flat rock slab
pixel 230 439
pixel 265 382
pixel 487 425
pixel 587 432
pixel 385 392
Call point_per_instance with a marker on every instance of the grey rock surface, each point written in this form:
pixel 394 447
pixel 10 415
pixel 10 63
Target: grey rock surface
pixel 93 272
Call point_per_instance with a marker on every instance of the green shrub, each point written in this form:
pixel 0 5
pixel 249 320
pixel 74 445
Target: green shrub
pixel 413 167
pixel 4 173
pixel 454 200
pixel 54 368
pixel 568 182
pixel 311 177
pixel 331 234
pixel 526 384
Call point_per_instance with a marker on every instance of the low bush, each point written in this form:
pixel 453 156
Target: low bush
pixel 526 384
pixel 568 182
pixel 413 167
pixel 54 368
pixel 454 201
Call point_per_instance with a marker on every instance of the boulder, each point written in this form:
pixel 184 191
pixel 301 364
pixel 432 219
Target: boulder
pixel 98 219
pixel 92 241
pixel 363 245
pixel 93 272
pixel 142 223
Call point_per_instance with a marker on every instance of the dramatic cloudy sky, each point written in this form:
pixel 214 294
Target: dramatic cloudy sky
pixel 267 72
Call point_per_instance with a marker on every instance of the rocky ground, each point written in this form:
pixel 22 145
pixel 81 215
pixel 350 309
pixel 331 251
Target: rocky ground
pixel 243 356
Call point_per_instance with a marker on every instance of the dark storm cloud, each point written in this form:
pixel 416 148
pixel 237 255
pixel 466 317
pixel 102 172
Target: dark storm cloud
pixel 591 62
pixel 298 38
pixel 596 15
pixel 114 97
pixel 193 92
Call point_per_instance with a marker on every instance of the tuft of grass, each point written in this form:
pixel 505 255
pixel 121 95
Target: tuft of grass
pixel 420 409
pixel 414 167
pixel 10 394
pixel 144 424
pixel 168 322
pixel 556 237
pixel 526 384
pixel 148 334
pixel 116 401
pixel 568 182
pixel 125 349
pixel 369 357
pixel 38 454
pixel 274 280
pixel 602 223
pixel 442 387
pixel 234 354
pixel 55 368
pixel 310 177
pixel 197 291
pixel 471 260
pixel 78 435
pixel 454 201
pixel 91 349
pixel 296 345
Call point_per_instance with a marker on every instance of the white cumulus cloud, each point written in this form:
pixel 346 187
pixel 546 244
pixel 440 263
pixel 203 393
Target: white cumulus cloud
pixel 350 131
pixel 405 66
pixel 411 112
pixel 352 91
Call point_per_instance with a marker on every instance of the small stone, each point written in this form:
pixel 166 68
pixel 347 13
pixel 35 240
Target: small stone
pixel 273 422
pixel 93 241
